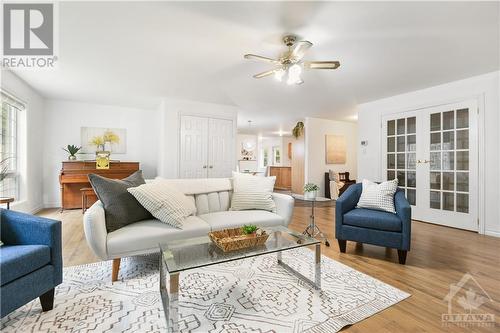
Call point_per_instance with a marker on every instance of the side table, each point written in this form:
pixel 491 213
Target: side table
pixel 5 200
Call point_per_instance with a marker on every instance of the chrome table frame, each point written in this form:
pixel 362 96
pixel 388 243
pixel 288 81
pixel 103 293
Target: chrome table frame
pixel 312 230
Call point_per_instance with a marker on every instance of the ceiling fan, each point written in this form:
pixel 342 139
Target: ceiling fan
pixel 290 64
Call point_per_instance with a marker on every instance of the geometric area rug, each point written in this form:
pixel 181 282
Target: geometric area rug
pixel 253 295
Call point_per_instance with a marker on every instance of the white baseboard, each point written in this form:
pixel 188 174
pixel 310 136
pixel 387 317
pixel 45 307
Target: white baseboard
pixel 492 233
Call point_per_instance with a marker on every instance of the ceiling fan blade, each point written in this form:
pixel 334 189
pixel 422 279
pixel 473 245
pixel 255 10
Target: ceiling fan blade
pixel 264 74
pixel 300 48
pixel 321 64
pixel 260 58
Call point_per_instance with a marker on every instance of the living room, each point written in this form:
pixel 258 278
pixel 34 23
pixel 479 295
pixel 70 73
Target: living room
pixel 250 166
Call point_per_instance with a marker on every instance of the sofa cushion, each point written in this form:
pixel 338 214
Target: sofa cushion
pixel 372 219
pixel 143 236
pixel 233 219
pixel 120 207
pixel 19 260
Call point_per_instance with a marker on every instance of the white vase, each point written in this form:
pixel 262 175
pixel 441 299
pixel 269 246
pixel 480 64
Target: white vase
pixel 310 195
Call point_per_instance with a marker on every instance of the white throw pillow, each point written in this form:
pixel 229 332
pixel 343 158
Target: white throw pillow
pixel 164 202
pixel 249 183
pixel 253 200
pixel 378 196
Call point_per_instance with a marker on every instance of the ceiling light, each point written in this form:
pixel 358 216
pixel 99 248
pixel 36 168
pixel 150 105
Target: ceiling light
pixel 279 74
pixel 294 74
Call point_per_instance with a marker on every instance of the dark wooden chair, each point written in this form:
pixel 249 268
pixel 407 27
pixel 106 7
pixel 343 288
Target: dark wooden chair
pixel 343 177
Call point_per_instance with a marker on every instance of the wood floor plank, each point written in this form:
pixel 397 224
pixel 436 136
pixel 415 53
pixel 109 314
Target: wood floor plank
pixel 439 256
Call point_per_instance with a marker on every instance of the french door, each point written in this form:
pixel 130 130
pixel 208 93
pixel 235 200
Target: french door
pixel 433 154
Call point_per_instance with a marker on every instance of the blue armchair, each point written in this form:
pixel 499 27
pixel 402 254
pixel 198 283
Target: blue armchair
pixel 372 226
pixel 30 260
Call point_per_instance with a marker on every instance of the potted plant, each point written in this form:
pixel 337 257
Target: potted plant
pixel 298 130
pixel 310 190
pixel 72 150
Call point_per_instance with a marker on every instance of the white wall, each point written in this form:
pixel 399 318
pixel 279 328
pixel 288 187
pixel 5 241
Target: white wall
pixel 63 120
pixel 315 131
pixel 485 89
pixel 170 111
pixel 31 148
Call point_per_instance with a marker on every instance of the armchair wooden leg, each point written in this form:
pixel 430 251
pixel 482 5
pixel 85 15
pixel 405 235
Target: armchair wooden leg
pixel 342 245
pixel 402 256
pixel 116 269
pixel 47 300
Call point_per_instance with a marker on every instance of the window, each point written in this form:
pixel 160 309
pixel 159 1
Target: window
pixel 9 184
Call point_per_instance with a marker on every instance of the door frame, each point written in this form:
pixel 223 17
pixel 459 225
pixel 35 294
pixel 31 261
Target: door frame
pixel 208 115
pixel 481 167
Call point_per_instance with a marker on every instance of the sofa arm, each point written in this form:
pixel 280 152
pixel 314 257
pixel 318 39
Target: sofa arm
pixel 346 202
pixel 403 211
pixel 25 229
pixel 94 225
pixel 284 206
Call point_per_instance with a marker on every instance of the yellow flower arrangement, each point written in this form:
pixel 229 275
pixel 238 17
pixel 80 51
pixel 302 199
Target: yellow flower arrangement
pixel 100 140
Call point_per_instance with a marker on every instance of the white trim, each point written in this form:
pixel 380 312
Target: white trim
pixel 492 233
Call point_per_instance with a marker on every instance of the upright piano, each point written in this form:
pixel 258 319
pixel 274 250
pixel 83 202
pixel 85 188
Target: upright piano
pixel 74 177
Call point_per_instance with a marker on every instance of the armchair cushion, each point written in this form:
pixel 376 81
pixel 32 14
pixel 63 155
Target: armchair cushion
pixel 19 260
pixel 372 219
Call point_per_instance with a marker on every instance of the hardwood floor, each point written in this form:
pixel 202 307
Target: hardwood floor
pixel 439 256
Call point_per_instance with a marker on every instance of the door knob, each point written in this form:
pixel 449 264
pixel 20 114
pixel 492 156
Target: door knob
pixel 204 167
pixel 211 167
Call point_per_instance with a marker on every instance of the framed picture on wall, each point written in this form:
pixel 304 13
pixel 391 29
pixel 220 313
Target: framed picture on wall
pixel 335 149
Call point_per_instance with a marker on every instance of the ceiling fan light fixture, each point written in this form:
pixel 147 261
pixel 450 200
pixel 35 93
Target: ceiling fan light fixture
pixel 279 74
pixel 294 74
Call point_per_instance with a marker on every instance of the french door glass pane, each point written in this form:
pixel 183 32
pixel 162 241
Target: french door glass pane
pixel 401 143
pixel 448 140
pixel 435 161
pixel 411 179
pixel 462 202
pixel 448 160
pixel 448 202
pixel 411 195
pixel 448 120
pixel 463 139
pixel 463 181
pixel 401 178
pixel 391 142
pixel 401 126
pixel 448 181
pixel 411 125
pixel 435 180
pixel 435 200
pixel 391 127
pixel 463 118
pixel 411 161
pixel 463 160
pixel 411 143
pixel 391 161
pixel 436 141
pixel 391 175
pixel 401 161
pixel 436 122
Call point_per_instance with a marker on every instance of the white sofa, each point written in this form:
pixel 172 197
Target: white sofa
pixel 212 198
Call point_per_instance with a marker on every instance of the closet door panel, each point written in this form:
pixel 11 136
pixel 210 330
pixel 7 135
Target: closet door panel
pixel 221 159
pixel 193 147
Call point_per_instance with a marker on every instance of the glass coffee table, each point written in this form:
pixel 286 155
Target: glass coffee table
pixel 179 256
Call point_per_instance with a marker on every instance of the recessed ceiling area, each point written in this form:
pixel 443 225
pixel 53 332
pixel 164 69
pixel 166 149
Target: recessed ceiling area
pixel 136 53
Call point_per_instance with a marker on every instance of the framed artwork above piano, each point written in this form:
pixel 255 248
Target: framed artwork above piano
pixel 74 177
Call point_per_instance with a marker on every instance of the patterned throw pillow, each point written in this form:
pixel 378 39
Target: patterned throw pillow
pixel 164 202
pixel 253 200
pixel 378 196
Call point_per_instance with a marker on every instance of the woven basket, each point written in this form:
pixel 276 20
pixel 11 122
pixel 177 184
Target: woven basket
pixel 234 239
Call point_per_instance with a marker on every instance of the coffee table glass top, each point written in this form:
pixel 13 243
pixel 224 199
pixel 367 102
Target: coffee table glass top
pixel 200 251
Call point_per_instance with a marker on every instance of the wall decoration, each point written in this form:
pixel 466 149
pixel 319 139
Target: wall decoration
pixel 96 139
pixel 248 150
pixel 276 155
pixel 335 149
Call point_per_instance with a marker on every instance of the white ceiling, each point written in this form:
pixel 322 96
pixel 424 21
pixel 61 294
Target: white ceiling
pixel 135 53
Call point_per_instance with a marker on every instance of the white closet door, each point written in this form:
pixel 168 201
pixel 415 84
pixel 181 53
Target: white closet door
pixel 193 147
pixel 220 148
